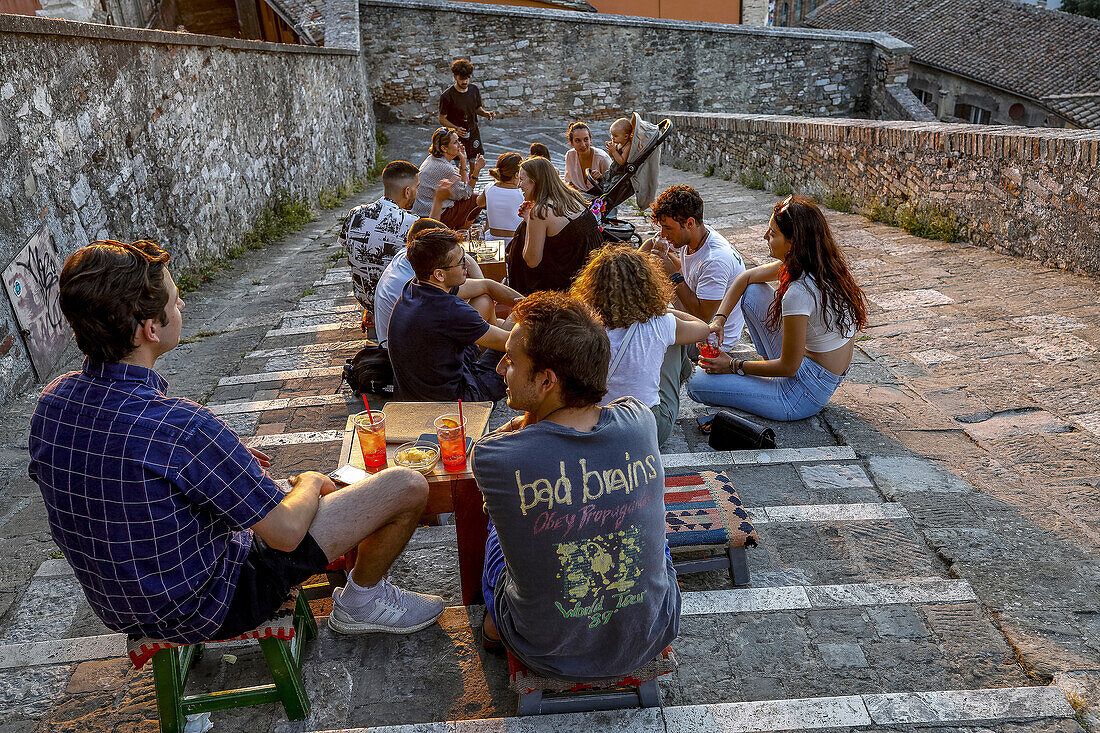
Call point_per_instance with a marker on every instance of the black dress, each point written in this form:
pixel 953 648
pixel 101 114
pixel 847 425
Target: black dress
pixel 563 256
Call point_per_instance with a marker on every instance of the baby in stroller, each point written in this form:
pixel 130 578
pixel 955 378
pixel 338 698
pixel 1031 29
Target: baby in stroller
pixel 635 176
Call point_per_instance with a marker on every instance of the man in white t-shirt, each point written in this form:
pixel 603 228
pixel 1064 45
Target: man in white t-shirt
pixel 702 264
pixel 399 271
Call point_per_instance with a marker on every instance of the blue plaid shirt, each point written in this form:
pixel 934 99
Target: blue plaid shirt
pixel 150 498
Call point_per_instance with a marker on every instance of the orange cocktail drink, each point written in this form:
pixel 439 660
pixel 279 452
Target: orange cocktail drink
pixel 370 428
pixel 451 431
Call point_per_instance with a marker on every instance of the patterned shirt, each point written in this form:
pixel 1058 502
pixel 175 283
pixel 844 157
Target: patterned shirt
pixel 150 497
pixel 372 234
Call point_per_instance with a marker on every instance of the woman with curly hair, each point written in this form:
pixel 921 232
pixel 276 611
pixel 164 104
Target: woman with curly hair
pixel 557 233
pixel 631 292
pixel 804 330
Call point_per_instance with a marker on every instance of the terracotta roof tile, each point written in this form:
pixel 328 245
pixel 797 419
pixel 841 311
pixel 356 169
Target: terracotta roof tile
pixel 1032 51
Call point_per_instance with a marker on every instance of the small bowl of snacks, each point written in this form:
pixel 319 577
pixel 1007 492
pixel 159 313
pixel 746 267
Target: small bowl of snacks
pixel 418 455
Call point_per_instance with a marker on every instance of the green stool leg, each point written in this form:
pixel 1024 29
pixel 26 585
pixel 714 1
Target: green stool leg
pixel 168 681
pixel 304 623
pixel 287 676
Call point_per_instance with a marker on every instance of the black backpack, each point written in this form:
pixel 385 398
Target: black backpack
pixel 369 371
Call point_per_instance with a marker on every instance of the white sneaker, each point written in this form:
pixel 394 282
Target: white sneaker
pixel 393 610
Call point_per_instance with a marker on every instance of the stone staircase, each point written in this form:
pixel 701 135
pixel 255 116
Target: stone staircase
pixel 850 623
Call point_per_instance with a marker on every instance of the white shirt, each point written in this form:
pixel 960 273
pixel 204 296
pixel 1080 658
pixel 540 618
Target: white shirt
pixel 803 298
pixel 372 235
pixel 709 272
pixel 638 373
pixel 388 291
pixel 502 207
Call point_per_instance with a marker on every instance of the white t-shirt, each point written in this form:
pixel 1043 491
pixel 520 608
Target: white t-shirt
pixel 388 291
pixel 502 207
pixel 803 298
pixel 638 373
pixel 709 272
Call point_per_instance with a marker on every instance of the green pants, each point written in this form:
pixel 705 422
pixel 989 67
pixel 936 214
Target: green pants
pixel 675 370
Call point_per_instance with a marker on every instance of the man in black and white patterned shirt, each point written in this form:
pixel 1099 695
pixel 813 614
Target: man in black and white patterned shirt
pixel 373 233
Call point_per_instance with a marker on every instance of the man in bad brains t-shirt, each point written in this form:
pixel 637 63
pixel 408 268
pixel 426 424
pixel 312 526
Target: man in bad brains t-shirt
pixel 577 580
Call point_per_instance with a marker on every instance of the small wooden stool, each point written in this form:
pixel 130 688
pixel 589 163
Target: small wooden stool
pixel 704 512
pixel 282 639
pixel 638 689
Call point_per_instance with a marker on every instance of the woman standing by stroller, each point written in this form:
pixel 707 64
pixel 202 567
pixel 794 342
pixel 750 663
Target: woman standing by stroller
pixel 631 293
pixel 557 233
pixel 804 330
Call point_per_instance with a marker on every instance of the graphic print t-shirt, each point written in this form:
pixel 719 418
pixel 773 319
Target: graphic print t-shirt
pixel 373 234
pixel 588 592
pixel 460 108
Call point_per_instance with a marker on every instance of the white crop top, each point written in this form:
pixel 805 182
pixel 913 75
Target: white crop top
pixel 502 207
pixel 803 298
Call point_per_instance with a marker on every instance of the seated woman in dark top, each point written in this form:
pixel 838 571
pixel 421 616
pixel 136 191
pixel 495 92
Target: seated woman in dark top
pixel 556 235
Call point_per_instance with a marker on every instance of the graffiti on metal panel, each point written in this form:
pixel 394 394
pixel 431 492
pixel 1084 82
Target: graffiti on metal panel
pixel 31 281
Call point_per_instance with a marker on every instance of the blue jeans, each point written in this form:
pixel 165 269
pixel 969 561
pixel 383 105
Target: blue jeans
pixel 776 398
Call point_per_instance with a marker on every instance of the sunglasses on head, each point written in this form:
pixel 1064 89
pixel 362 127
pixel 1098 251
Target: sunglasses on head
pixel 783 205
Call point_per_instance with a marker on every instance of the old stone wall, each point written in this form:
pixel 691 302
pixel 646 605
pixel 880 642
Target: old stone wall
pixel 558 63
pixel 126 134
pixel 1032 192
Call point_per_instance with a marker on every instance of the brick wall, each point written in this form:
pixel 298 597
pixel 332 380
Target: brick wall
pixel 558 63
pixel 1032 192
pixel 125 134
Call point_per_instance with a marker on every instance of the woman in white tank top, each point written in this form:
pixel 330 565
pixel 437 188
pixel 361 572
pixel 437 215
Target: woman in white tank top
pixel 502 197
pixel 805 331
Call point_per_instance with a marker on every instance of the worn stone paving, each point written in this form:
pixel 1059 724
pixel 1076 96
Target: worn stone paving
pixel 973 468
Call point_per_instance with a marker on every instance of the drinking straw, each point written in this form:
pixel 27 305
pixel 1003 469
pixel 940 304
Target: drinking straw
pixel 461 422
pixel 369 414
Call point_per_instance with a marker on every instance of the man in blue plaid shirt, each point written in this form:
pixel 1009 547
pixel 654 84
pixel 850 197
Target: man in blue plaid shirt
pixel 173 527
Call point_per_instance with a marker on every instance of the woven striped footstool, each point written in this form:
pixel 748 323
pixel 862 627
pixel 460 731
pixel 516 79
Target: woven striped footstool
pixel 638 689
pixel 703 512
pixel 281 638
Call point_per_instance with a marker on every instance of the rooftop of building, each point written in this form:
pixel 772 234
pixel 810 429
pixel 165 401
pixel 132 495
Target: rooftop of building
pixel 1018 47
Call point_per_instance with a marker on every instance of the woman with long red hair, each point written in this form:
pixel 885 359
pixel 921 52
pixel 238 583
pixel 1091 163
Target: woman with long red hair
pixel 804 330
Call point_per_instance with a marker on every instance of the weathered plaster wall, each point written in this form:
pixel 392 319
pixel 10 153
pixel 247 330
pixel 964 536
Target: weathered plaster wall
pixel 1032 192
pixel 126 134
pixel 559 63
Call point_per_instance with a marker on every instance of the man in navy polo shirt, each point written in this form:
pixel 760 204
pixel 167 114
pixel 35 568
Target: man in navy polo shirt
pixel 434 334
pixel 171 524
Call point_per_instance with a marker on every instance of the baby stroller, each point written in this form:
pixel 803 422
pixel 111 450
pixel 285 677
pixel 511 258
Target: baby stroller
pixel 637 177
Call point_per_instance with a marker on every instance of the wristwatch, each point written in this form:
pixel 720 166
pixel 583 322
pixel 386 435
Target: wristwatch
pixel 676 278
pixel 739 366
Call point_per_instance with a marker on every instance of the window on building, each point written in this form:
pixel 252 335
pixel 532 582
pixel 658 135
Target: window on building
pixel 972 114
pixel 928 99
pixel 1017 112
pixel 813 5
pixel 784 14
pixel 798 10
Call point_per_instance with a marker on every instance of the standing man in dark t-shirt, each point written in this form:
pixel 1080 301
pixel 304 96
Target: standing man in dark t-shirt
pixel 460 106
pixel 434 334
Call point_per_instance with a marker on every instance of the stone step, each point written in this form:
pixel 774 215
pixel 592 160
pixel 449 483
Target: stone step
pixel 991 706
pixel 279 376
pixel 35 647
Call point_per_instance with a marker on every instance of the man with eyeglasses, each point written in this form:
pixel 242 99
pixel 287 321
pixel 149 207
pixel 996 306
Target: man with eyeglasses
pixel 434 334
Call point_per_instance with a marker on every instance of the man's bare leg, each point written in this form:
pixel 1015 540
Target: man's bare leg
pixel 379 514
